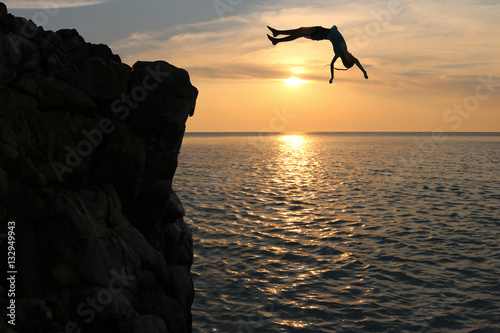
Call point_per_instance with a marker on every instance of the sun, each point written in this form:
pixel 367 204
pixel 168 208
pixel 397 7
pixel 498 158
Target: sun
pixel 293 81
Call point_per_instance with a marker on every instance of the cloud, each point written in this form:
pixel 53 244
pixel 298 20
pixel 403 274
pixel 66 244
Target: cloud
pixel 240 71
pixel 136 41
pixel 40 4
pixel 462 65
pixel 415 47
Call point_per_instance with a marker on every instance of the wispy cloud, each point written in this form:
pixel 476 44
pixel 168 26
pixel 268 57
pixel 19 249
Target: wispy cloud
pixel 39 4
pixel 136 41
pixel 416 48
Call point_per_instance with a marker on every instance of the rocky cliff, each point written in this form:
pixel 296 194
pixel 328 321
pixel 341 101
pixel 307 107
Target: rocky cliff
pixel 88 149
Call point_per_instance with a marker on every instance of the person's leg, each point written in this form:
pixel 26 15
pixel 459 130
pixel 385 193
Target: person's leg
pixel 293 34
pixel 274 31
pixel 273 40
pixel 300 32
pixel 288 38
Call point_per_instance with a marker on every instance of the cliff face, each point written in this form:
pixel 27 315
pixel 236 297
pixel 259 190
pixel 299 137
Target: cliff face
pixel 88 149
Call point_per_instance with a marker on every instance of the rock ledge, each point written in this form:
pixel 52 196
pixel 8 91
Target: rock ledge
pixel 88 150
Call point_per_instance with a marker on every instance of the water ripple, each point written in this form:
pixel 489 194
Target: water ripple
pixel 304 234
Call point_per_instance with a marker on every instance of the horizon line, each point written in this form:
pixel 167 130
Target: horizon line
pixel 477 133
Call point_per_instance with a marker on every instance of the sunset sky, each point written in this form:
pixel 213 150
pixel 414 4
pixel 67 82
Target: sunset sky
pixel 431 65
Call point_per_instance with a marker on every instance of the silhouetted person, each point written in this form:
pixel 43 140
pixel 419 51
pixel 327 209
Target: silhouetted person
pixel 320 33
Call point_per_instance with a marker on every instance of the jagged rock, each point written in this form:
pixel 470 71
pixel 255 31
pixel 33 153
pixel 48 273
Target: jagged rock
pixel 165 98
pixel 88 149
pixel 58 95
pixel 3 15
pixel 27 142
pixel 7 70
pixel 23 27
pixel 102 83
pixel 4 185
pixel 81 52
pixel 120 161
pixel 151 205
pixel 150 324
pixel 9 149
pixel 27 85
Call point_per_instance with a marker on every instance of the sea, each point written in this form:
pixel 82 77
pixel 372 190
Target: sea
pixel 343 232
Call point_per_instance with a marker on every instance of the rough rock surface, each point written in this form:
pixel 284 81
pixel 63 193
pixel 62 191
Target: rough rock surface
pixel 88 149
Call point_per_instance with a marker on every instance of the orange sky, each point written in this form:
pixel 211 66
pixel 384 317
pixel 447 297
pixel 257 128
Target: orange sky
pixel 426 61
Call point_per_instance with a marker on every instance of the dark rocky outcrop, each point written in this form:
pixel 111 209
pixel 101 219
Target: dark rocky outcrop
pixel 88 149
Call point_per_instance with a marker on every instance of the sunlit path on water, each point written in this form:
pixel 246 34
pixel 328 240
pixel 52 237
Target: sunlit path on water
pixel 305 233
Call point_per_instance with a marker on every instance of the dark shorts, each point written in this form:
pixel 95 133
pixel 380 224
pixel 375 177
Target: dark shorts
pixel 318 33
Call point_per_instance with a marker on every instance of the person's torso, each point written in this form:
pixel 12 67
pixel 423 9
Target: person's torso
pixel 337 39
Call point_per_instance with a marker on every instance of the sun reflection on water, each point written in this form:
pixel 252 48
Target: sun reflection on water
pixel 292 140
pixel 293 153
pixel 296 171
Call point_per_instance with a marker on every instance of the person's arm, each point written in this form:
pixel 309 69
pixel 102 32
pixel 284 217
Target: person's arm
pixel 331 67
pixel 356 61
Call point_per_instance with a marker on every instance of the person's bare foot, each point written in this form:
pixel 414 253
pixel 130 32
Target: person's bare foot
pixel 275 33
pixel 273 40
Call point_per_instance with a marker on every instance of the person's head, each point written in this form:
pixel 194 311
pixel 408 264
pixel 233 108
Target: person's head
pixel 348 60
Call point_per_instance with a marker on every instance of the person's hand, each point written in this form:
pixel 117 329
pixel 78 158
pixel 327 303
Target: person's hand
pixel 366 76
pixel 331 80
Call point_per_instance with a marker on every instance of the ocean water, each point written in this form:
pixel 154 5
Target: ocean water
pixel 343 233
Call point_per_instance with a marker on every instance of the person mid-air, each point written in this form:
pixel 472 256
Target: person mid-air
pixel 320 33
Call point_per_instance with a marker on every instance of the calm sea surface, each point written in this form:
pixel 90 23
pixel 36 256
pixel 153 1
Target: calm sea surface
pixel 343 233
